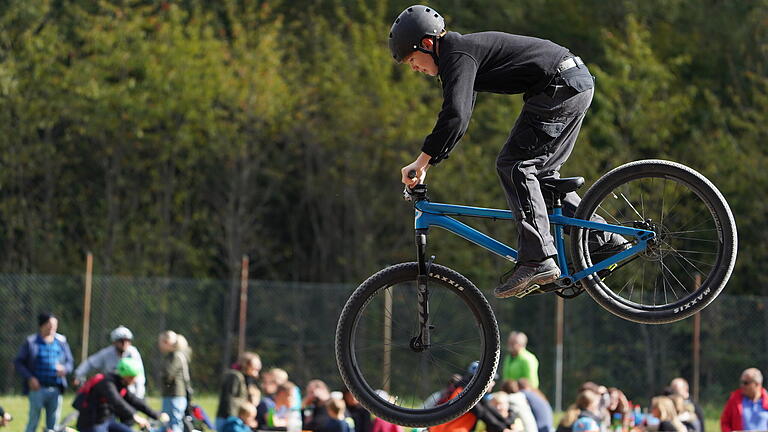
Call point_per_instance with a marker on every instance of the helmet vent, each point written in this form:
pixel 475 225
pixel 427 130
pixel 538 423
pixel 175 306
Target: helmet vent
pixel 410 9
pixel 397 20
pixel 426 10
pixel 436 15
pixel 390 35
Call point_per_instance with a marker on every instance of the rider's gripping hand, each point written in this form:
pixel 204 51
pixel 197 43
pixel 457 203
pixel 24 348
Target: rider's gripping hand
pixel 141 421
pixel 164 418
pixel 420 166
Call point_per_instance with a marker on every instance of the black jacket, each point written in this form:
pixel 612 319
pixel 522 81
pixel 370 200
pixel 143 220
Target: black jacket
pixel 108 398
pixel 491 62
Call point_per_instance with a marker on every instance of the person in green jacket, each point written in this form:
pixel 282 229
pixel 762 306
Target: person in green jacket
pixel 520 363
pixel 174 377
pixel 236 387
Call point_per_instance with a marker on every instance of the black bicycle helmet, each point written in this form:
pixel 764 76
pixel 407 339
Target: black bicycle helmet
pixel 410 27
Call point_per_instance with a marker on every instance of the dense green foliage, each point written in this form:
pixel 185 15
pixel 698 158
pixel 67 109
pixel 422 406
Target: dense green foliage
pixel 173 137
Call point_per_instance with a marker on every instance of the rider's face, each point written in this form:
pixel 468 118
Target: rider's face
pixel 423 62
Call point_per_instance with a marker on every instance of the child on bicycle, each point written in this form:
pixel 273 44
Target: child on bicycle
pixel 106 396
pixel 557 89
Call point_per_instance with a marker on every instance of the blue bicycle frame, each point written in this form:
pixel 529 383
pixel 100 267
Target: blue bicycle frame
pixel 435 214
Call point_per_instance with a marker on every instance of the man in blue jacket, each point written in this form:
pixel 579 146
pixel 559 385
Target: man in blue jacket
pixel 44 360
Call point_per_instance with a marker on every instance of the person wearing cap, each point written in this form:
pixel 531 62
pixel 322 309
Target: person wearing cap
pixel 106 359
pixel 557 89
pixel 43 361
pixel 110 398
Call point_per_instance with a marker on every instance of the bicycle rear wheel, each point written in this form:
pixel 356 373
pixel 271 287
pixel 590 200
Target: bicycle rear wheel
pixel 689 262
pixel 398 381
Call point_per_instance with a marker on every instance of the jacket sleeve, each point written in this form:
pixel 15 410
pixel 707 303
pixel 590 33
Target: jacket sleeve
pixel 726 423
pixel 20 362
pixel 458 71
pixel 69 360
pixel 123 410
pixel 141 381
pixel 140 405
pixel 94 362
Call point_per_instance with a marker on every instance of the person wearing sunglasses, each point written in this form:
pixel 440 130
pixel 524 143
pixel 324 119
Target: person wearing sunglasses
pixel 747 408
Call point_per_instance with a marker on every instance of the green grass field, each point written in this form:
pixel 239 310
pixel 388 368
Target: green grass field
pixel 17 405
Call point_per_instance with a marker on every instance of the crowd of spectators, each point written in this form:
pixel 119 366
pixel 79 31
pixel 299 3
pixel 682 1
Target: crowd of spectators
pixel 112 387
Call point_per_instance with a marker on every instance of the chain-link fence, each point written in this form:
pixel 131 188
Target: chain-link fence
pixel 292 326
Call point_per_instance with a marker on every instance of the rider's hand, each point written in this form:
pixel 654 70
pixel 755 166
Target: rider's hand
pixel 164 418
pixel 141 421
pixel 420 165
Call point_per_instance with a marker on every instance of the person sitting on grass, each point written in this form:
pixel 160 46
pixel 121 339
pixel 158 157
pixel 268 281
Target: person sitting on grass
pixel 245 420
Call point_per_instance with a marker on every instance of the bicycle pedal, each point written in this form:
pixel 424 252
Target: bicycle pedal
pixel 527 291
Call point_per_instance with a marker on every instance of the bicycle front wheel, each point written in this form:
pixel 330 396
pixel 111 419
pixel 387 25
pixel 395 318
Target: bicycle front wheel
pixel 688 263
pixel 398 380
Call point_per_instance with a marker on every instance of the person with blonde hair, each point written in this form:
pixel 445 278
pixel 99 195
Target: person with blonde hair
pixel 174 377
pixel 587 405
pixel 245 421
pixel 663 408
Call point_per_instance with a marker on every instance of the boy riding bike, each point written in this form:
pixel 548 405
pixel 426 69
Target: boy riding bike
pixel 557 89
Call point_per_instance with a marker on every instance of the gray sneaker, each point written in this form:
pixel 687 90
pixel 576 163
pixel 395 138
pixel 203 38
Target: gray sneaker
pixel 525 276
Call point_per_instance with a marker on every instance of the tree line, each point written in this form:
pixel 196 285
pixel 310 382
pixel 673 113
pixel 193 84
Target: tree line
pixel 171 138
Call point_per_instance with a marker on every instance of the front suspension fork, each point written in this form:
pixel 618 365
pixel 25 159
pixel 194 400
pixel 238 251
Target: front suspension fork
pixel 422 341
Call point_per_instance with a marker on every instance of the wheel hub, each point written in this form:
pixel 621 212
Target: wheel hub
pixel 654 251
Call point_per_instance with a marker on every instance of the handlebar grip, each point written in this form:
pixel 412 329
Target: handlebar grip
pixel 412 174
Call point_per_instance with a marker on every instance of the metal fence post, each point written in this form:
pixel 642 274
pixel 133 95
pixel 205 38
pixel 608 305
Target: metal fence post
pixel 243 306
pixel 87 305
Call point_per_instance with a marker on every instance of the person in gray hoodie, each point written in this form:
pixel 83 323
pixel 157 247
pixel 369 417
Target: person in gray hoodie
pixel 106 359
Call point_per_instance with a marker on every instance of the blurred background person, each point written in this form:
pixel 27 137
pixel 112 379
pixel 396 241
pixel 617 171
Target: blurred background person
pixel 43 361
pixel 314 412
pixel 360 416
pixel 663 409
pixel 174 377
pixel 679 386
pixel 235 387
pixel 540 407
pixel 518 406
pixel 245 421
pixel 519 362
pixel 747 407
pixel 587 404
pixel 5 417
pixel 105 360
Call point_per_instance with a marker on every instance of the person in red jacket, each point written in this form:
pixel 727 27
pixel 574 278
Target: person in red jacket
pixel 747 408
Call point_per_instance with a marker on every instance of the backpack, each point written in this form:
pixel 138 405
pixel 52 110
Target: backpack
pixel 80 402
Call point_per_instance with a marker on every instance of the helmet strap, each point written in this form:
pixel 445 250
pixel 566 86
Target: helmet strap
pixel 433 52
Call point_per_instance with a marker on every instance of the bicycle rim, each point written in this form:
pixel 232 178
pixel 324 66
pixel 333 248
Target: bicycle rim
pixel 691 257
pixel 394 378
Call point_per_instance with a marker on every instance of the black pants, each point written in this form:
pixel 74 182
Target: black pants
pixel 538 145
